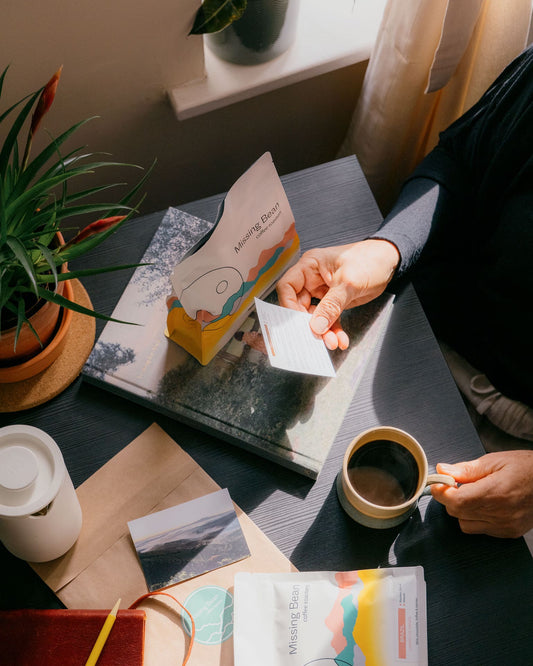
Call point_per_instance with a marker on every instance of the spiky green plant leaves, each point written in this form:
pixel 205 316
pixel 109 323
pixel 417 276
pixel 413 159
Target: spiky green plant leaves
pixel 35 200
pixel 215 15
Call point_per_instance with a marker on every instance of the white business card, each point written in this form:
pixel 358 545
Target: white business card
pixel 290 342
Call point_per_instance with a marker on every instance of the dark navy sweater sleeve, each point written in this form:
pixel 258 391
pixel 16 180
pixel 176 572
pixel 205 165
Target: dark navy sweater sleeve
pixel 464 227
pixel 408 225
pixel 468 167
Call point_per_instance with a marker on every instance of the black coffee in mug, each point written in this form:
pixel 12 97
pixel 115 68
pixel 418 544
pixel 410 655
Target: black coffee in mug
pixel 383 472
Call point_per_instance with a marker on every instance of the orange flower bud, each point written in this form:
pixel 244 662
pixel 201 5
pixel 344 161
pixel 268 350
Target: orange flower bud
pixel 45 101
pixel 94 228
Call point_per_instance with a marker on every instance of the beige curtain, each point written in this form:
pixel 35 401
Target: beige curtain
pixel 432 60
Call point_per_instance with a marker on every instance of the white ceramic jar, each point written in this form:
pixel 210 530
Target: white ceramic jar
pixel 40 515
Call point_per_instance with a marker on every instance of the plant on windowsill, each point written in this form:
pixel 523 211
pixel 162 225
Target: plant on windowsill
pixel 247 32
pixel 34 206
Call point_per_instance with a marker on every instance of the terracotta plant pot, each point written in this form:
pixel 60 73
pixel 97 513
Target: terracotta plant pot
pixel 30 357
pixel 44 321
pixel 18 371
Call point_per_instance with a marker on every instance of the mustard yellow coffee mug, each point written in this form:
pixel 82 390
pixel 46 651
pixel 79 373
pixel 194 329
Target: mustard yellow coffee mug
pixel 383 475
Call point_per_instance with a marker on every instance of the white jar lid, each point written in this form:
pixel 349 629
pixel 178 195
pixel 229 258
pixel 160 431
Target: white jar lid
pixel 31 470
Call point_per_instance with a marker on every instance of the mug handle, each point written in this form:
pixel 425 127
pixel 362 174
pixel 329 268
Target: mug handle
pixel 440 478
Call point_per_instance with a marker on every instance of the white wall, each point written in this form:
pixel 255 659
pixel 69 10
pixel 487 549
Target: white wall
pixel 119 57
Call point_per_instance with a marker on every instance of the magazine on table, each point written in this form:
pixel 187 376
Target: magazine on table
pixel 287 417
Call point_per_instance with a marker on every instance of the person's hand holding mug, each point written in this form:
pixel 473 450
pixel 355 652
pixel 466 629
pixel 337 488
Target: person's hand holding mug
pixel 494 495
pixel 342 277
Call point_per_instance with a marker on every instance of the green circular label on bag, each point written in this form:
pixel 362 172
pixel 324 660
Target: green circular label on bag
pixel 212 610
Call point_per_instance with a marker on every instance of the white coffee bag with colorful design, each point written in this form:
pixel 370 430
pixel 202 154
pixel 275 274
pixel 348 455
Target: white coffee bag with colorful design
pixel 375 617
pixel 252 243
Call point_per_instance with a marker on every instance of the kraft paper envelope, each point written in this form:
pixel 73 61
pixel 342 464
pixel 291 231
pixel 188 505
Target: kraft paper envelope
pixel 150 474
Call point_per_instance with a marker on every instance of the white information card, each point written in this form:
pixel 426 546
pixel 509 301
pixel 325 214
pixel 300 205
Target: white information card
pixel 290 343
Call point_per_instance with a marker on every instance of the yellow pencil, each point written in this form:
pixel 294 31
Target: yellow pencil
pixel 102 636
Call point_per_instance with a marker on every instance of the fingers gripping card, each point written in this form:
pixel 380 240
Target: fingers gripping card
pixel 253 242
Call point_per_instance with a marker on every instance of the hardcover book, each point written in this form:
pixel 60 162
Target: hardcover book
pixel 286 417
pixel 66 637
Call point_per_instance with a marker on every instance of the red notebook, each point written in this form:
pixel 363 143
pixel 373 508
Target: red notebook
pixel 66 637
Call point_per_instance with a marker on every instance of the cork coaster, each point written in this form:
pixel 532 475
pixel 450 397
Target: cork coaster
pixel 63 371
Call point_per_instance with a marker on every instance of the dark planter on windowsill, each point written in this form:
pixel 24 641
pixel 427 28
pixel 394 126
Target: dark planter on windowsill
pixel 265 30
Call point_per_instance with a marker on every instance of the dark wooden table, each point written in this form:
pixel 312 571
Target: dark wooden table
pixel 479 589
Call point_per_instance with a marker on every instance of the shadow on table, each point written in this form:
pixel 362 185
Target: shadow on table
pixel 22 587
pixel 427 403
pixel 247 476
pixel 344 544
pixel 429 537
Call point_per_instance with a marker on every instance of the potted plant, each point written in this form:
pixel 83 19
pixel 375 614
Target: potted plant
pixel 35 204
pixel 215 15
pixel 247 32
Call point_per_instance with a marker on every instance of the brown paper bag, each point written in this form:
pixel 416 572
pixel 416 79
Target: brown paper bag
pixel 150 474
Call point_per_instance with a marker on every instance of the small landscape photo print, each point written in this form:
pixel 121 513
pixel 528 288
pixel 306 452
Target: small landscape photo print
pixel 188 540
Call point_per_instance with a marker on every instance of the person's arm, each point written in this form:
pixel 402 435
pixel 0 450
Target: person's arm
pixel 464 173
pixel 346 276
pixel 417 213
pixel 425 218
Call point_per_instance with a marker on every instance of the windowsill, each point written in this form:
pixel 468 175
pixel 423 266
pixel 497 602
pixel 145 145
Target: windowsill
pixel 330 35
